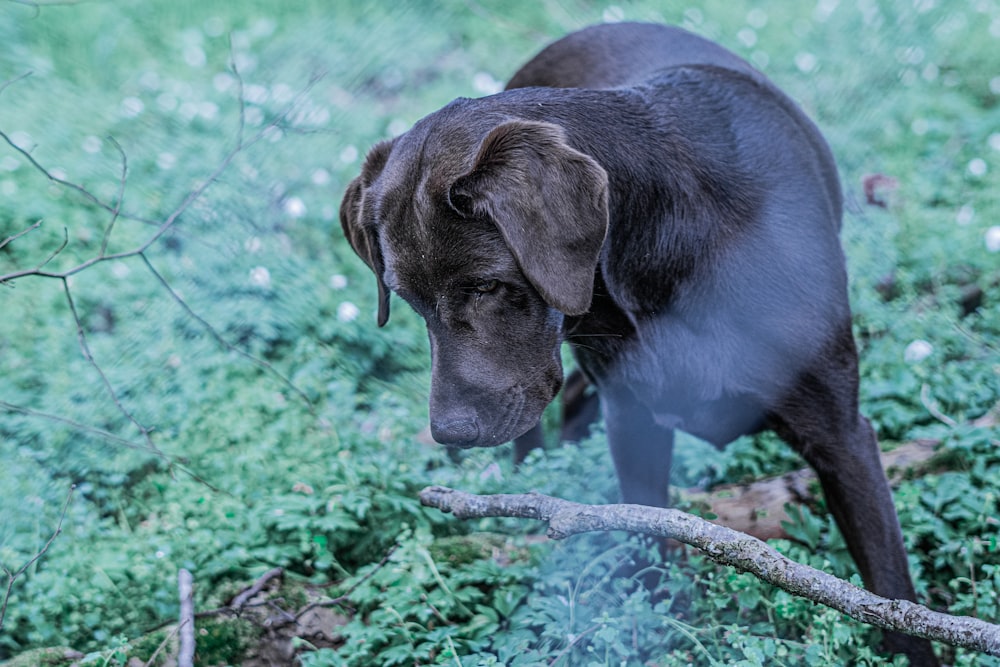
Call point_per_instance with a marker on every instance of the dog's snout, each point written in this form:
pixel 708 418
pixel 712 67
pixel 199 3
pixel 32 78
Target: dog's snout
pixel 455 430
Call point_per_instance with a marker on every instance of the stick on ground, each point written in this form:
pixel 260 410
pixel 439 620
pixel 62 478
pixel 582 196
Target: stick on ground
pixel 728 547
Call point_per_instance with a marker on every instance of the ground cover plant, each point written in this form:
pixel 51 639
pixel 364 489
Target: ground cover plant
pixel 208 391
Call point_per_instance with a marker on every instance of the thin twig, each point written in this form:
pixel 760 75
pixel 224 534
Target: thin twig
pixel 932 406
pixel 12 576
pixel 62 246
pixel 340 599
pixel 119 200
pixel 15 80
pixel 85 348
pixel 79 426
pixel 163 645
pixel 240 130
pixel 241 599
pixel 86 428
pixel 20 234
pixel 218 337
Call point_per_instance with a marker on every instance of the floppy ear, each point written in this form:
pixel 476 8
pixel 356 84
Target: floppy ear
pixel 550 203
pixel 364 238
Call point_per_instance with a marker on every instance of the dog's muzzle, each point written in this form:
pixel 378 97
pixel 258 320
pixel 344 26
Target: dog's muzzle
pixel 455 430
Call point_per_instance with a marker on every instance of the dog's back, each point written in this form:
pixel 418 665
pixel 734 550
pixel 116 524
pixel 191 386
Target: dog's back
pixel 622 54
pixel 618 55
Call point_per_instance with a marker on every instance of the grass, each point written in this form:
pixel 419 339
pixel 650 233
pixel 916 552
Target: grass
pixel 284 424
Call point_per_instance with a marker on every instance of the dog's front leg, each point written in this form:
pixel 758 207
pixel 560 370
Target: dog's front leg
pixel 641 449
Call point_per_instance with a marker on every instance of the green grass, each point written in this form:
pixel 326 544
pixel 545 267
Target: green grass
pixel 285 429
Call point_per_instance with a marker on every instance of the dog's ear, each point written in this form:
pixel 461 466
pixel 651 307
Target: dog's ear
pixel 364 237
pixel 550 203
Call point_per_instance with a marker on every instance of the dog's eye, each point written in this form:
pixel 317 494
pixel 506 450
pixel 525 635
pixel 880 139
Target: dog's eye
pixel 486 286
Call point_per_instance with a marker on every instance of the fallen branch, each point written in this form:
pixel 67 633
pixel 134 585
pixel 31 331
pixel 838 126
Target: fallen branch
pixel 727 547
pixel 185 591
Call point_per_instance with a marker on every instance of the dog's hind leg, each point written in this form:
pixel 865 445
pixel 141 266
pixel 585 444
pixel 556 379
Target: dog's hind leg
pixel 820 419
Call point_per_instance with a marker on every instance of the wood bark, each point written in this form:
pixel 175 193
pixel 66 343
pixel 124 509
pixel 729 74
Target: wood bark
pixel 728 547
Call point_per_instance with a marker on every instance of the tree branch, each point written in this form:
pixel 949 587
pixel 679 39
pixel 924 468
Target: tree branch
pixel 728 547
pixel 13 575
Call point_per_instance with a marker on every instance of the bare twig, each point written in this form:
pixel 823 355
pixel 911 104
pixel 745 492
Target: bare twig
pixel 20 234
pixel 340 599
pixel 111 437
pixel 162 226
pixel 54 253
pixel 85 348
pixel 118 201
pixel 185 590
pixel 217 336
pixel 932 406
pixel 240 600
pixel 163 645
pixel 8 82
pixel 727 547
pixel 13 575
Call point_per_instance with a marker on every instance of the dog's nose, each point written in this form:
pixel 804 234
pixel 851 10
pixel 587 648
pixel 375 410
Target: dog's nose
pixel 455 431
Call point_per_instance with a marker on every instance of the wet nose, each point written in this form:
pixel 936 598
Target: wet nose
pixel 455 430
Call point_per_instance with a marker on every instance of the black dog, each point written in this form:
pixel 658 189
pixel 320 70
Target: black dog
pixel 653 200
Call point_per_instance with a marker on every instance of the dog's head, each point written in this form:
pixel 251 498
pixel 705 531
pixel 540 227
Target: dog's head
pixel 491 230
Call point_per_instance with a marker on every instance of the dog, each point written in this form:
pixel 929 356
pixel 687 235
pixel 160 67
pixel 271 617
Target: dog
pixel 651 199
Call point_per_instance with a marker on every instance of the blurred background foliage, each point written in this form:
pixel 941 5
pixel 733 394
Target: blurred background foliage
pixel 242 412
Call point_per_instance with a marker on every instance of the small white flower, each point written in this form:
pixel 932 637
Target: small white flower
pixel 338 281
pixel 255 94
pixel 214 26
pixel 253 244
pixel 294 207
pixel 260 277
pixel 977 166
pixel 484 83
pixel 132 107
pixel 965 214
pixel 993 238
pixel 320 177
pixel 223 82
pixel 194 56
pixel 805 61
pixel 166 161
pixel 397 127
pixel 747 36
pixel 91 144
pixel 917 351
pixel 349 154
pixel 208 110
pixel 166 101
pixel 613 14
pixel 22 140
pixel 120 270
pixel 757 18
pixel 149 80
pixel 994 141
pixel 253 116
pixel 347 312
